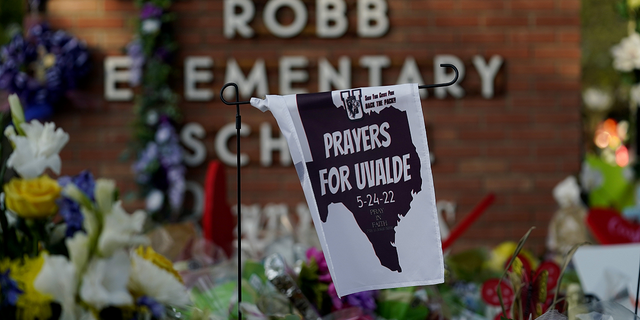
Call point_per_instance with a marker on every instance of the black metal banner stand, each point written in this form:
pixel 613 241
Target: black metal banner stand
pixel 237 103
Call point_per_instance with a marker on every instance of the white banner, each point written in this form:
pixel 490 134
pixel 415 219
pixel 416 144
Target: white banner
pixel 363 162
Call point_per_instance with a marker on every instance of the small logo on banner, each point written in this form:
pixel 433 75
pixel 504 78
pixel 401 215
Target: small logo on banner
pixel 352 101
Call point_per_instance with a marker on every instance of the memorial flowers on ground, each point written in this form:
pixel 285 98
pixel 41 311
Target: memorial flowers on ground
pixel 68 249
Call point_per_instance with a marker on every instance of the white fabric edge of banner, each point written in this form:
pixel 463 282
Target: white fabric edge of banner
pixel 427 162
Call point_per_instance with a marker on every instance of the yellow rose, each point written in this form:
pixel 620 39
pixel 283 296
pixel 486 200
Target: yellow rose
pixel 501 254
pixel 32 198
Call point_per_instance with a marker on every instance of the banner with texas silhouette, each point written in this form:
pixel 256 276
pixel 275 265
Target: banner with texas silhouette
pixel 363 162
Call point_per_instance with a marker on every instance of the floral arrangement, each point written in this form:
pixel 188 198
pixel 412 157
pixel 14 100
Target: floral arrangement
pixel 42 67
pixel 68 249
pixel 159 168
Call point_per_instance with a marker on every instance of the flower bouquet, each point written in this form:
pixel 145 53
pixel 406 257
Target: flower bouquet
pixel 68 248
pixel 42 67
pixel 159 169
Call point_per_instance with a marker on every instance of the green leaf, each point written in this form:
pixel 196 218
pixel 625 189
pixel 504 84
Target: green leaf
pixel 567 260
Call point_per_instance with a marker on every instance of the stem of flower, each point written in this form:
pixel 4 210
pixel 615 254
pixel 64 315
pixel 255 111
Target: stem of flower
pixel 3 217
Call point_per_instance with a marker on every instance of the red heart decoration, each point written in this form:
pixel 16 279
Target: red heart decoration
pixel 609 227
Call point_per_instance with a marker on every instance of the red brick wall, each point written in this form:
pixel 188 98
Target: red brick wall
pixel 518 144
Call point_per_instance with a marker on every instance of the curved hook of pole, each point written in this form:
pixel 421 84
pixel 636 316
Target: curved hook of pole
pixel 238 102
pixel 444 65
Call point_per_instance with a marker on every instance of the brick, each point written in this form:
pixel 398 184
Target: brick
pixel 510 52
pixel 457 21
pixel 532 5
pixel 564 150
pixel 481 5
pixel 433 5
pixel 533 102
pixel 486 134
pixel 508 184
pixel 458 184
pixel 509 151
pixel 532 200
pixel 425 37
pixel 482 166
pixel 558 117
pixel 530 36
pixel 532 134
pixel 508 119
pixel 444 151
pixel 118 5
pixel 532 167
pixel 569 5
pixel 569 21
pixel 100 23
pixel 558 85
pixel 571 71
pixel 507 21
pixel 540 68
pixel 61 22
pixel 556 53
pixel 67 7
pixel 569 37
pixel 483 37
pixel 455 119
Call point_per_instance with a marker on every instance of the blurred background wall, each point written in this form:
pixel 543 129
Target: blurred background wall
pixel 518 144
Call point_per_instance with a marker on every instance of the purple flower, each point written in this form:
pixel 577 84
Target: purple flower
pixel 20 55
pixel 323 269
pixel 136 53
pixel 366 300
pixel 335 300
pixel 9 288
pixel 147 156
pixel 150 10
pixel 70 212
pixel 175 177
pixel 156 308
pixel 164 133
pixel 84 181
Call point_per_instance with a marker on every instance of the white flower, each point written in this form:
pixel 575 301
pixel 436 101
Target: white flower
pixel 38 150
pixel 78 247
pixel 58 278
pixel 596 99
pixel 105 282
pixel 590 178
pixel 10 131
pixel 154 200
pixel 626 54
pixel 105 194
pixel 567 192
pixel 150 280
pixel 121 230
pixel 150 26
